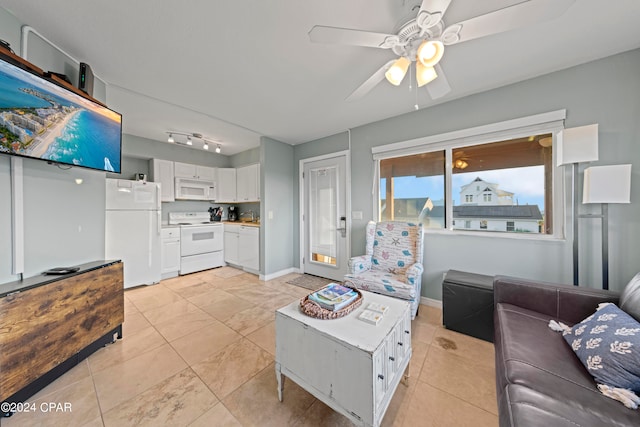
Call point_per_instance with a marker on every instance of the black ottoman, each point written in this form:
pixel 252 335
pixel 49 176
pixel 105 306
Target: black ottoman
pixel 467 304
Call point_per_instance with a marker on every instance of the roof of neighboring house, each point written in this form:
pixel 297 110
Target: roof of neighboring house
pixel 515 212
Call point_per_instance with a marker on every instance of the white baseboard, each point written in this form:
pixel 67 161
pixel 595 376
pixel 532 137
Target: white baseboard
pixel 431 302
pixel 279 273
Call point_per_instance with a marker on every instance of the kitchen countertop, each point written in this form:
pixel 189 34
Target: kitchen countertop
pixel 247 223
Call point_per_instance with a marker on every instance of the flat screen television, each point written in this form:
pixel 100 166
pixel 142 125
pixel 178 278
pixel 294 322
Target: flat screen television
pixel 41 120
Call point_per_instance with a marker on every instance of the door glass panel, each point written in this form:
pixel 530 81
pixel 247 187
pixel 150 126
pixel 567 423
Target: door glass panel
pixel 323 212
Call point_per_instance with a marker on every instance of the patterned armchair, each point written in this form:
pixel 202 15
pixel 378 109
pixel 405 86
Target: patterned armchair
pixel 392 264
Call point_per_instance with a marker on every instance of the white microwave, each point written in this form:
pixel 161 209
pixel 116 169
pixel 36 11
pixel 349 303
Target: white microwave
pixel 194 189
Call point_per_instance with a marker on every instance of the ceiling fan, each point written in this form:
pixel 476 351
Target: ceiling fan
pixel 423 39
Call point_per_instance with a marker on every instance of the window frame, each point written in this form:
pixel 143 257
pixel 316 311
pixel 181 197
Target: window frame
pixel 551 122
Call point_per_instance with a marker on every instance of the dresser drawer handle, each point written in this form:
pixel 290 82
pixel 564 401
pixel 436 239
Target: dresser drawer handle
pixel 407 332
pixel 381 376
pixel 400 344
pixel 393 359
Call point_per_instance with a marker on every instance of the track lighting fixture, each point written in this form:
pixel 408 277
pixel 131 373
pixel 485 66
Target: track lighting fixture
pixel 190 137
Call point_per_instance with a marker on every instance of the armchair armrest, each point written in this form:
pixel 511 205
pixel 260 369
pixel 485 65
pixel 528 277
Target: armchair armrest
pixel 414 273
pixel 358 264
pixel 567 303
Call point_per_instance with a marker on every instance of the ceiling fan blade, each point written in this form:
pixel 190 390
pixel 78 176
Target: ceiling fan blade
pixel 509 18
pixel 322 34
pixel 440 86
pixel 431 12
pixel 370 83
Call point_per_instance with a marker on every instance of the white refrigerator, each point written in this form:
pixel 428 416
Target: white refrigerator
pixel 133 229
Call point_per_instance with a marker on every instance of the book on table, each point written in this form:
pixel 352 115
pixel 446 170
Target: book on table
pixel 333 297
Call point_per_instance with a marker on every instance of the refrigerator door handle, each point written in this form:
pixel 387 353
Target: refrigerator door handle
pixel 159 227
pixel 158 201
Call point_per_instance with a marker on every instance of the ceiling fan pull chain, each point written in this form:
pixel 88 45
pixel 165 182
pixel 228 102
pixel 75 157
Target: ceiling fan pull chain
pixel 416 106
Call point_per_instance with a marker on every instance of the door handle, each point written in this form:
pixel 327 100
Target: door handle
pixel 343 226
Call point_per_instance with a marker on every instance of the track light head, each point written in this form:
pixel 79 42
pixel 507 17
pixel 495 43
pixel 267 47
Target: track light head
pixel 189 142
pixel 206 145
pixel 218 149
pixel 171 140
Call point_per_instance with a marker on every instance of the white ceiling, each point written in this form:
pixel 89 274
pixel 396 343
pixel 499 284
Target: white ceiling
pixel 236 70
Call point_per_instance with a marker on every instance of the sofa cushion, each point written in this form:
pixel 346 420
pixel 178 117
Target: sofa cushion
pixel 522 406
pixel 630 298
pixel 535 356
pixel 608 345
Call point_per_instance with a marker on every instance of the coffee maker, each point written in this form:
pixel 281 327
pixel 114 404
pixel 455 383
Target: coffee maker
pixel 233 214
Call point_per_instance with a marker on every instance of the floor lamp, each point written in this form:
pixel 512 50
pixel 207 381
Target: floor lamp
pixel 606 184
pixel 575 146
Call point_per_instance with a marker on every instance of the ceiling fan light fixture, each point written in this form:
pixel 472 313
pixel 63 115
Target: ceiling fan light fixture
pixel 460 164
pixel 425 74
pixel 430 52
pixel 395 74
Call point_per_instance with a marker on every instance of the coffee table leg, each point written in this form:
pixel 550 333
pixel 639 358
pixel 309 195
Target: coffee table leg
pixel 280 379
pixel 405 377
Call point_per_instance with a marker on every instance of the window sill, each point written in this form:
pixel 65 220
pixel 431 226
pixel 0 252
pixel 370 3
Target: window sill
pixel 496 235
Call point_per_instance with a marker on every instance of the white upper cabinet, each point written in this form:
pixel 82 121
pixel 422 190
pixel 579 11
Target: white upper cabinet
pixel 162 172
pixel 248 183
pixel 226 185
pixel 186 170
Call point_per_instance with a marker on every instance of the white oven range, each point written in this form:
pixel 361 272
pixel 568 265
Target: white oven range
pixel 201 241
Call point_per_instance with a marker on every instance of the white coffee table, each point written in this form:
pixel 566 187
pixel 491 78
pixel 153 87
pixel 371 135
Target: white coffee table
pixel 352 366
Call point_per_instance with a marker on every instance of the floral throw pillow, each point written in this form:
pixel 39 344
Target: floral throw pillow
pixel 608 345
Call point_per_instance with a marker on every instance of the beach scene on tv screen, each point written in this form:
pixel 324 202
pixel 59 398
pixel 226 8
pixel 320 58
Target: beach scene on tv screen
pixel 43 120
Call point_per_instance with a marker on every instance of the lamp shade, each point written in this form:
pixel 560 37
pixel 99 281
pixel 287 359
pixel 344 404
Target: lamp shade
pixel 577 145
pixel 424 74
pixel 430 52
pixel 607 184
pixel 397 71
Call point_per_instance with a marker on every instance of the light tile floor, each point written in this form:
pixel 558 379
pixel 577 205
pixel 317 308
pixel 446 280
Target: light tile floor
pixel 198 350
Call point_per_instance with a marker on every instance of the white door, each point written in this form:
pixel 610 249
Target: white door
pixel 325 218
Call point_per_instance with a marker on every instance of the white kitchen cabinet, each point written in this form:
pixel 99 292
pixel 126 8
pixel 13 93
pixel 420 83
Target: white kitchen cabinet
pixel 170 250
pixel 352 366
pixel 249 248
pixel 186 170
pixel 162 171
pixel 231 243
pixel 226 185
pixel 248 183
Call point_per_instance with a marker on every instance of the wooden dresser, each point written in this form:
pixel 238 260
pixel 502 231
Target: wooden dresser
pixel 48 324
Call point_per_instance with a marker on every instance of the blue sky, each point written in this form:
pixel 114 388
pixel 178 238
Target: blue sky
pixel 526 183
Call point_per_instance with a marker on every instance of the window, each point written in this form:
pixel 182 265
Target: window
pixel 412 189
pixel 494 178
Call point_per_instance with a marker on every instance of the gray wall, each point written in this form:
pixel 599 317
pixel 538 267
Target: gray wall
pixel 605 92
pixel 277 240
pixel 63 221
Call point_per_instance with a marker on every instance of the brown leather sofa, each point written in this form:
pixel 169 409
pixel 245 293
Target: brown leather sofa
pixel 539 379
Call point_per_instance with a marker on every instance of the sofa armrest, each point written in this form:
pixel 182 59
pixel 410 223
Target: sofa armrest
pixel 359 264
pixel 567 303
